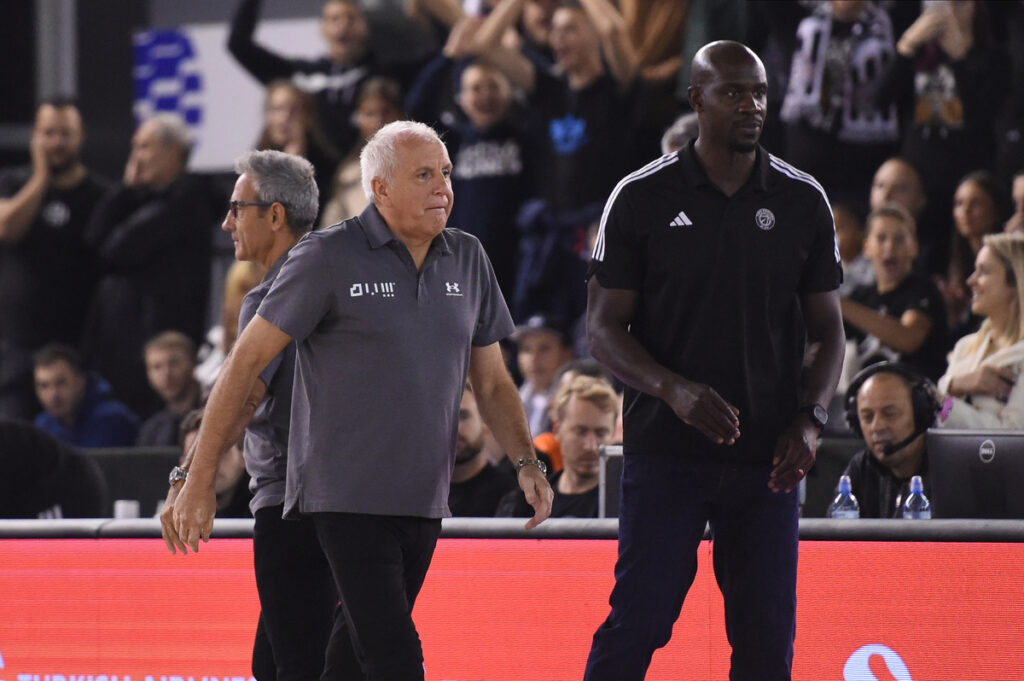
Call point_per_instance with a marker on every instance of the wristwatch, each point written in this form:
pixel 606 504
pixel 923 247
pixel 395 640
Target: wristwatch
pixel 177 474
pixel 532 461
pixel 818 414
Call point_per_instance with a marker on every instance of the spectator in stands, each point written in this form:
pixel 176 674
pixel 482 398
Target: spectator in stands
pixel 982 384
pixel 477 484
pixel 586 108
pixel 584 413
pixel 242 277
pixel 898 180
pixel 542 345
pixel 333 80
pixel 231 482
pixel 1016 221
pixel 170 365
pixel 843 48
pixel 978 210
pixel 547 442
pixel 152 234
pixel 491 149
pixel 890 406
pixel 942 83
pixel 78 407
pixel 380 103
pixel 290 125
pixel 900 316
pixel 46 271
pixel 857 268
pixel 680 133
pixel 45 477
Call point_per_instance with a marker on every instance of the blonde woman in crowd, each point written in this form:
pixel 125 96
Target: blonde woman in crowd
pixel 981 385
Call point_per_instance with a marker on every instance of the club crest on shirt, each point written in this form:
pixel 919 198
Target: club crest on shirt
pixel 765 219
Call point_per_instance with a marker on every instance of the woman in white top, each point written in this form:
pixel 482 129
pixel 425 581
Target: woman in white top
pixel 981 385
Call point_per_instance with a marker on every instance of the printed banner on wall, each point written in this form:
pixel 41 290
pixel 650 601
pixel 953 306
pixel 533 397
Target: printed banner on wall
pixel 511 610
pixel 188 71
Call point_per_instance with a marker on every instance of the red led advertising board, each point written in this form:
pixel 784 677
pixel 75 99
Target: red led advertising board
pixel 511 610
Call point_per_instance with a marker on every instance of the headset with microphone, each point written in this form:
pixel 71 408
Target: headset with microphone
pixel 923 396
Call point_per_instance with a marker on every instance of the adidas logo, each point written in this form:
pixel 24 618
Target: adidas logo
pixel 681 221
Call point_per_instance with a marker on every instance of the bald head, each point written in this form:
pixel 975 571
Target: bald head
pixel 713 58
pixel 729 93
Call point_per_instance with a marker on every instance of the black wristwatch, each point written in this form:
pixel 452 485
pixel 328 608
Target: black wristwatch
pixel 818 414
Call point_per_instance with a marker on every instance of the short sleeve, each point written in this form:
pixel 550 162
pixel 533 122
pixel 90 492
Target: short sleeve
pixel 617 258
pixel 494 321
pixel 301 295
pixel 250 303
pixel 823 270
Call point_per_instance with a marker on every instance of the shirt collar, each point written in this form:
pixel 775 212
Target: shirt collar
pixel 693 171
pixel 379 234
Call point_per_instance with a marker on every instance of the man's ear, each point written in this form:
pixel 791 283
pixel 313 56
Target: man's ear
pixel 278 216
pixel 695 96
pixel 380 188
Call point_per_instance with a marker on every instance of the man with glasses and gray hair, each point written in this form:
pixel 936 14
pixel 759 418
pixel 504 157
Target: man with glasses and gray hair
pixel 273 205
pixel 391 313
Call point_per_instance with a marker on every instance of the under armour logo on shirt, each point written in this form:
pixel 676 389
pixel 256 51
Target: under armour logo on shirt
pixel 452 288
pixel 681 220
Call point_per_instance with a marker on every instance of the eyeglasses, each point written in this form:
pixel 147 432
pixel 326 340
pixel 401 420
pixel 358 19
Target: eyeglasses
pixel 234 205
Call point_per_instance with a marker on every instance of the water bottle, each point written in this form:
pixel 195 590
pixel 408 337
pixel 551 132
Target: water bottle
pixel 845 504
pixel 917 506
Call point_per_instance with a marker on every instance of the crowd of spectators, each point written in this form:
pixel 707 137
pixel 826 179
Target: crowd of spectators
pixel 909 114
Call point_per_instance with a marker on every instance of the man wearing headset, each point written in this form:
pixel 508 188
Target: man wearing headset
pixel 891 406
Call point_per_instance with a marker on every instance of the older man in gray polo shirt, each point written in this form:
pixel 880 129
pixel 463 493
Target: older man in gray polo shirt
pixel 390 312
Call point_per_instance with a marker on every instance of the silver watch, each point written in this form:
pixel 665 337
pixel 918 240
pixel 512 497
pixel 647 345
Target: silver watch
pixel 532 461
pixel 177 474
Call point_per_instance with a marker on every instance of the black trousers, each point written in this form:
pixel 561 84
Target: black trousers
pixel 379 564
pixel 297 598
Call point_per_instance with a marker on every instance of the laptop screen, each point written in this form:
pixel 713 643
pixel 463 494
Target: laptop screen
pixel 976 474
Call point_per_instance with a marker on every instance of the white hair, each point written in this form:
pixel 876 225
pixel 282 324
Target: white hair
pixel 379 160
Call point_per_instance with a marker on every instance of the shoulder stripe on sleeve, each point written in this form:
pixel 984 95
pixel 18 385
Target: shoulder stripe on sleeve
pixel 649 169
pixel 799 175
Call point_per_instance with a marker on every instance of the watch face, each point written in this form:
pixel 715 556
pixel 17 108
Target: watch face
pixel 820 414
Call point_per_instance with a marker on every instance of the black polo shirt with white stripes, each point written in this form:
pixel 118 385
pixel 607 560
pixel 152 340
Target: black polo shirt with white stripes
pixel 719 280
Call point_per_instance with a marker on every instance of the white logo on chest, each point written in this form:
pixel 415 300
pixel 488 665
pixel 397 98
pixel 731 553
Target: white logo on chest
pixel 384 289
pixel 452 288
pixel 765 219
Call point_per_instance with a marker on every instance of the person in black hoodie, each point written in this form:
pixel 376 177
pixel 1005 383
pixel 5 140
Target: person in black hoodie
pixel 334 80
pixel 490 151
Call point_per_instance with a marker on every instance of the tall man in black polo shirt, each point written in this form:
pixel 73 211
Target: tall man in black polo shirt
pixel 710 267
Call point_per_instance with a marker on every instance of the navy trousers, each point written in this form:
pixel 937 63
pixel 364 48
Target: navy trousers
pixel 665 503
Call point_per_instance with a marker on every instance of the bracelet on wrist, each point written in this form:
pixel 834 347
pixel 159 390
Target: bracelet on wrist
pixel 532 461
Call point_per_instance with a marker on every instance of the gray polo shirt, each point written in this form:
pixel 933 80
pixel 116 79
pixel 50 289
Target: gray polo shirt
pixel 266 436
pixel 382 355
